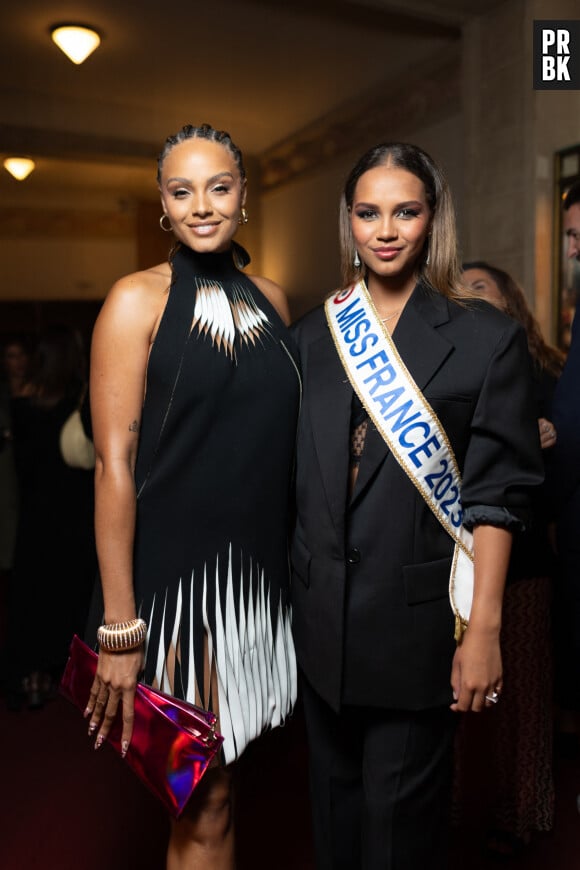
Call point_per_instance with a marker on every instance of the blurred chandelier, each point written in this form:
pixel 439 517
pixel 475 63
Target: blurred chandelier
pixel 77 41
pixel 19 167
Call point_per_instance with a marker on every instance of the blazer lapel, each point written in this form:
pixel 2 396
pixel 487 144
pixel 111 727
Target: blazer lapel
pixel 330 408
pixel 423 350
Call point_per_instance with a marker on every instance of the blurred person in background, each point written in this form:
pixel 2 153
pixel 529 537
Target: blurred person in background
pixel 13 364
pixel 566 496
pixel 522 788
pixel 54 558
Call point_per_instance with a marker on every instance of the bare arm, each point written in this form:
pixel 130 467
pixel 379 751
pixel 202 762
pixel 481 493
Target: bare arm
pixel 119 354
pixel 477 667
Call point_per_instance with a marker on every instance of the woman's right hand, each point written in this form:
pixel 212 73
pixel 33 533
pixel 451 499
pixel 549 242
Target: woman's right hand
pixel 115 681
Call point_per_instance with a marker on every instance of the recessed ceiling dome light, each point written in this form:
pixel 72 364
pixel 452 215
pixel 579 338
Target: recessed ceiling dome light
pixel 19 167
pixel 76 40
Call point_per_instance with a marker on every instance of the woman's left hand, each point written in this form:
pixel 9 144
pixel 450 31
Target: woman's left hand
pixel 476 674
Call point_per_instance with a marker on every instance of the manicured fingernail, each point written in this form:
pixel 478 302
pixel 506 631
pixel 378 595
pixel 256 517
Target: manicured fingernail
pixel 87 712
pixel 99 741
pixel 92 729
pixel 124 748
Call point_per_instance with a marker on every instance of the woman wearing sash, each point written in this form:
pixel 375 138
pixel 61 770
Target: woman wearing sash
pixel 418 446
pixel 195 392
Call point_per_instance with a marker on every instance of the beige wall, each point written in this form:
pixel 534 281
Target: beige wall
pixel 40 268
pixel 71 245
pixel 557 126
pixel 511 133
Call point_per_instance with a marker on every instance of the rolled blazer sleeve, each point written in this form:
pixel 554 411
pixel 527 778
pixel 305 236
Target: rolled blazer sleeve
pixel 503 462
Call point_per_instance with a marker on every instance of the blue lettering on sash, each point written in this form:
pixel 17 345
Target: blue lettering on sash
pixel 420 424
pixel 381 356
pixel 401 411
pixel 347 317
pixel 354 332
pixel 387 399
pixel 371 339
pixel 424 448
pixel 376 378
pixel 440 487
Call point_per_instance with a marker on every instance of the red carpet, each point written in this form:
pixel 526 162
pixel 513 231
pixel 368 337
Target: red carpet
pixel 66 807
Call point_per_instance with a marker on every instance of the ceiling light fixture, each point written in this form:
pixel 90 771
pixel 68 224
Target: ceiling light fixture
pixel 19 167
pixel 76 40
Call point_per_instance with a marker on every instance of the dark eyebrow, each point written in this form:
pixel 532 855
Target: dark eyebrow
pixel 220 175
pixel 211 180
pixel 412 203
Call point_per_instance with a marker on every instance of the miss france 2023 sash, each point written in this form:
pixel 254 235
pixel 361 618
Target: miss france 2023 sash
pixel 408 424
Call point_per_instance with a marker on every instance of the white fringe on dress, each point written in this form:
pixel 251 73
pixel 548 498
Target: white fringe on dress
pixel 253 656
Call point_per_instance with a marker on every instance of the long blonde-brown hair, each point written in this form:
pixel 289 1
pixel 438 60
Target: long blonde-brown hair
pixel 439 262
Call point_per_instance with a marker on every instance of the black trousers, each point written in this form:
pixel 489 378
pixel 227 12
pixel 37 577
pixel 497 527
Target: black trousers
pixel 380 785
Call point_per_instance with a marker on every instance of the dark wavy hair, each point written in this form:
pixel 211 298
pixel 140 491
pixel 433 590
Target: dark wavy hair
pixel 439 264
pixel 205 131
pixel 544 355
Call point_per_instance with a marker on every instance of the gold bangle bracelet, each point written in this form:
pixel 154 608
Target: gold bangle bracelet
pixel 122 636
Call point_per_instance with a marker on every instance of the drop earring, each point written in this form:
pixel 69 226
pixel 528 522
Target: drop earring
pixel 243 218
pixel 356 260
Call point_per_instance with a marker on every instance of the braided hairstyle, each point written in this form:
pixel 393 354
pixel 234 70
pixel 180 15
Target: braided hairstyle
pixel 205 131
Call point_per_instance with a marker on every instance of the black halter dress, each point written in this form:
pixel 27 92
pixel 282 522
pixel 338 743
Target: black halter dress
pixel 213 482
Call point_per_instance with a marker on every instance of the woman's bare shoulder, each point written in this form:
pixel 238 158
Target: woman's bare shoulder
pixel 147 282
pixel 274 294
pixel 145 289
pixel 136 301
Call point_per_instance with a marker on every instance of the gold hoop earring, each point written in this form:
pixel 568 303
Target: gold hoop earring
pixel 164 228
pixel 243 218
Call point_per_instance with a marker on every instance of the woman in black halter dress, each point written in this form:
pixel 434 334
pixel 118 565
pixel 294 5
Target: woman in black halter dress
pixel 192 484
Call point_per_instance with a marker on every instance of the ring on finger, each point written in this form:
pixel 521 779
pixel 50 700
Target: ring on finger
pixel 493 698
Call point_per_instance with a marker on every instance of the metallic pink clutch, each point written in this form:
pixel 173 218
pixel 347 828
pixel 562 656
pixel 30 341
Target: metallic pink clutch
pixel 173 742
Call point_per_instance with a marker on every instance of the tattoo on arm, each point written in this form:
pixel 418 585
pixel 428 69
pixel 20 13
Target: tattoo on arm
pixel 134 426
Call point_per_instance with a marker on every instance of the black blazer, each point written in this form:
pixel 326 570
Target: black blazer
pixel 371 613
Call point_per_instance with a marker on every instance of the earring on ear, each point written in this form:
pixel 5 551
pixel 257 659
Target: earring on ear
pixel 243 218
pixel 164 228
pixel 428 257
pixel 356 260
